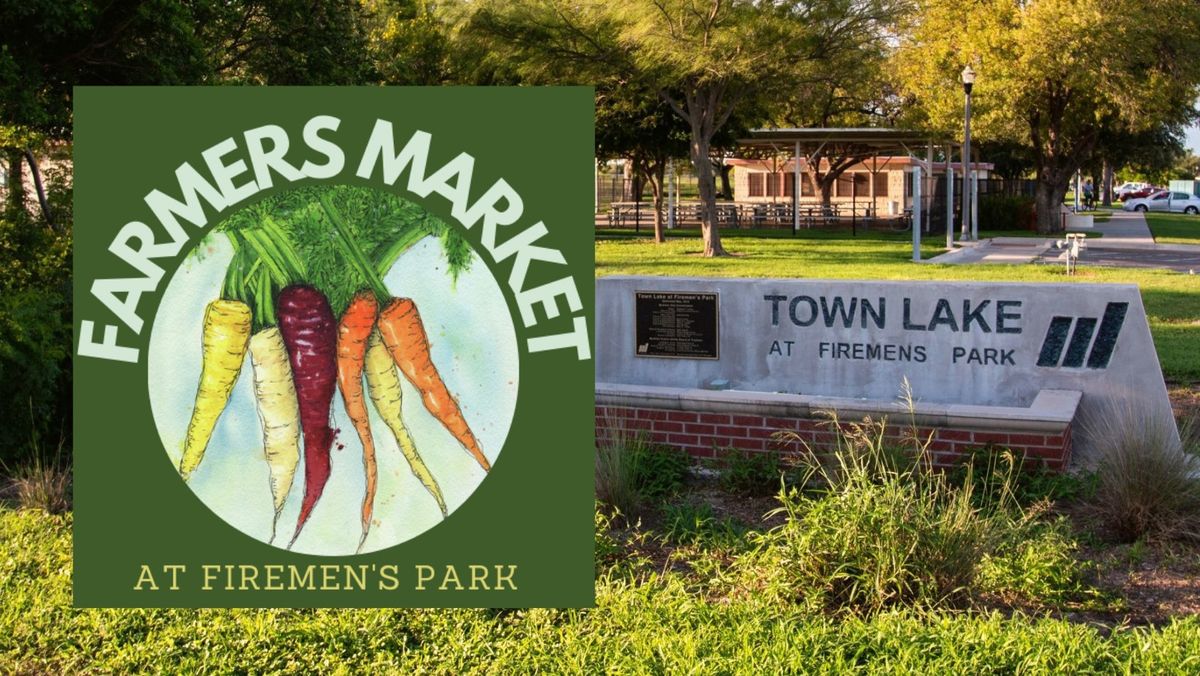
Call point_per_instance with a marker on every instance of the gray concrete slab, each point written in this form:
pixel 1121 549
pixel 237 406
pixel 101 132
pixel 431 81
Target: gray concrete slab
pixel 998 251
pixel 1124 230
pixel 962 344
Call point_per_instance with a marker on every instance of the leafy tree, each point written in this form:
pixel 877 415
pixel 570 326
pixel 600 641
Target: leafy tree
pixel 847 86
pixel 1054 74
pixel 409 43
pixel 705 59
pixel 1011 159
pixel 541 43
pixel 283 42
pixel 638 125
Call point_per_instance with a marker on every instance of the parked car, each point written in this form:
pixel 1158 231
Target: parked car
pixel 1123 191
pixel 1165 200
pixel 1141 192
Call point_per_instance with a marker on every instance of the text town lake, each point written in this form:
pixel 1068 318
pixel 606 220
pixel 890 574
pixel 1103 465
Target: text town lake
pixel 932 325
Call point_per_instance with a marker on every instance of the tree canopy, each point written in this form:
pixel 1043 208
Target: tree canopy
pixel 1055 75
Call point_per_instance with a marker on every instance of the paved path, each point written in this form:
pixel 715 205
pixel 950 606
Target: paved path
pixel 1125 230
pixel 1127 242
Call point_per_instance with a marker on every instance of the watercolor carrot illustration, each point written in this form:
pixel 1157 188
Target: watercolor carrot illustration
pixel 354 356
pixel 310 334
pixel 225 340
pixel 263 261
pixel 404 335
pixel 384 385
pixel 278 412
pixel 283 308
pixel 354 328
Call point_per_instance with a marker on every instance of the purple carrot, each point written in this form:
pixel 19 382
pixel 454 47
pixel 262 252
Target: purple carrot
pixel 310 334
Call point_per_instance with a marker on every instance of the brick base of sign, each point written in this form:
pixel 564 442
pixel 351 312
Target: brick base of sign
pixel 709 434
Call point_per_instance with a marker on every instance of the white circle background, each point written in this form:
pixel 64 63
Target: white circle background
pixel 473 346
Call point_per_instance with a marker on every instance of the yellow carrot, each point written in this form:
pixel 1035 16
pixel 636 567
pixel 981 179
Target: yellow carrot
pixel 226 336
pixel 278 411
pixel 384 385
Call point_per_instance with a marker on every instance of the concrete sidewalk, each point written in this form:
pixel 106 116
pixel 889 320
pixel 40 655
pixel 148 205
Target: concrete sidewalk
pixel 1124 230
pixel 997 250
pixel 1126 242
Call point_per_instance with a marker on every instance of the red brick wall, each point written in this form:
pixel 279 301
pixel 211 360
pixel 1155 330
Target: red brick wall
pixel 707 435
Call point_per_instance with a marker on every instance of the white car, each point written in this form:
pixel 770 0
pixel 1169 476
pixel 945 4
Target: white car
pixel 1165 200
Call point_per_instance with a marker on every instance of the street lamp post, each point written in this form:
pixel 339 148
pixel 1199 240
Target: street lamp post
pixel 968 79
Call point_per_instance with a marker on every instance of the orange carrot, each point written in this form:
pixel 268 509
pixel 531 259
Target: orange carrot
pixel 353 331
pixel 404 334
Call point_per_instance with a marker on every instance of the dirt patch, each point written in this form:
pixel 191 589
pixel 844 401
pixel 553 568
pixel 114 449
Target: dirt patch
pixel 1156 582
pixel 1185 399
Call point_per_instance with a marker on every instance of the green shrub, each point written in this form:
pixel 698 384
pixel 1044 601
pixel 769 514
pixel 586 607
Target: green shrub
pixel 659 471
pixel 1037 564
pixel 752 474
pixel 689 523
pixel 871 533
pixel 1148 470
pixel 35 335
pixel 1000 475
pixel 607 549
pixel 632 473
pixel 1001 212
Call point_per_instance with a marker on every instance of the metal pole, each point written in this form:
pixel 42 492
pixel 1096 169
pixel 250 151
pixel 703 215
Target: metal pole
pixel 966 157
pixel 671 195
pixel 796 189
pixel 916 210
pixel 929 183
pixel 1078 177
pixel 975 205
pixel 949 202
pixel 853 204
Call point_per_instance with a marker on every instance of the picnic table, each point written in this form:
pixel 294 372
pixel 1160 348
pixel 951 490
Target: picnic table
pixel 751 214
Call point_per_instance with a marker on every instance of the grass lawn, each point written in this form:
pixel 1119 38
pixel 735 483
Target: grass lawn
pixel 645 621
pixel 1174 228
pixel 1172 300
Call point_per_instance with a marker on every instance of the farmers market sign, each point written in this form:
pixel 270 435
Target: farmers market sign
pixel 333 348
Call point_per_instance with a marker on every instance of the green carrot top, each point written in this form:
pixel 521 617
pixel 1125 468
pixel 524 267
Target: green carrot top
pixel 339 239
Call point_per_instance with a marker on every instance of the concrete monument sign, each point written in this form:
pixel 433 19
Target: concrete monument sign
pixel 959 344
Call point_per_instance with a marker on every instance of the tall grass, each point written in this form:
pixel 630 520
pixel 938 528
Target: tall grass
pixel 41 482
pixel 616 451
pixel 632 473
pixel 873 526
pixel 1148 471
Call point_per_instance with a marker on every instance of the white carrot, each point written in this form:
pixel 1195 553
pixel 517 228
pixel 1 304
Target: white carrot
pixel 278 411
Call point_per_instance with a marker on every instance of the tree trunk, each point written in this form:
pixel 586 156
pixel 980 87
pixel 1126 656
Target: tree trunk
pixel 708 197
pixel 654 176
pixel 828 181
pixel 14 198
pixel 41 190
pixel 1048 199
pixel 1108 181
pixel 726 186
pixel 637 185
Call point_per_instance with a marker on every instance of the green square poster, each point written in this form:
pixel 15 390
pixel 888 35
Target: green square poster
pixel 333 347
